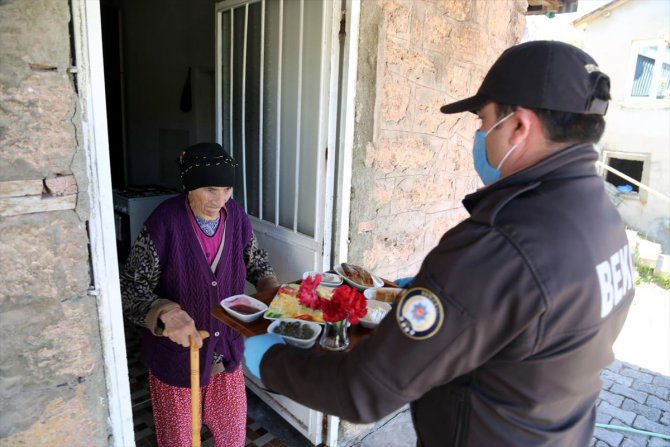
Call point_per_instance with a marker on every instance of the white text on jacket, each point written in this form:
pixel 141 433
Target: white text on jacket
pixel 616 278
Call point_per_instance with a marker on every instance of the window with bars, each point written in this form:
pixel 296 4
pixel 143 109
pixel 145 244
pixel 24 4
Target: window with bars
pixel 651 74
pixel 271 100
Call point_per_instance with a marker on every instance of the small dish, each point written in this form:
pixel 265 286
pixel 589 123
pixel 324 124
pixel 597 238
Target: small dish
pixel 377 310
pixel 304 343
pixel 242 307
pixel 327 279
pixel 376 281
pixel 385 294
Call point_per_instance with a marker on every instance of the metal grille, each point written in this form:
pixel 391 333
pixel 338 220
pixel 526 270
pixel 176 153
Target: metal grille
pixel 271 98
pixel 644 71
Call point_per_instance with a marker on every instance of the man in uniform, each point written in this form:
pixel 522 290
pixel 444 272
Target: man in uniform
pixel 502 335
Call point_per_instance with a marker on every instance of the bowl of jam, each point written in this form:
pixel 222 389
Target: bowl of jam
pixel 243 307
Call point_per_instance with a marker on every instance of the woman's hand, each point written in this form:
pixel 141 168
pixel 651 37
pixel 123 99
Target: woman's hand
pixel 179 326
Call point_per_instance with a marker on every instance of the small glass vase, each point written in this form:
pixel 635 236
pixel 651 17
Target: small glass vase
pixel 334 336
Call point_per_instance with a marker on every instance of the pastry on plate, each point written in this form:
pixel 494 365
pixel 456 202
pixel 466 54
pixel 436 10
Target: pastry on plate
pixel 357 274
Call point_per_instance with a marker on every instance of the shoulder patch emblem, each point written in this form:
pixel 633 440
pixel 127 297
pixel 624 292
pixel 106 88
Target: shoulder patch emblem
pixel 419 313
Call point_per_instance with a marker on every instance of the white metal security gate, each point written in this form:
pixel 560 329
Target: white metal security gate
pixel 274 108
pixel 277 76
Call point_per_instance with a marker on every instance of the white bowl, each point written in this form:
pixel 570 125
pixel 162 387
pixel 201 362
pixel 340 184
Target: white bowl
pixel 246 300
pixel 304 343
pixel 327 279
pixel 375 308
pixel 376 281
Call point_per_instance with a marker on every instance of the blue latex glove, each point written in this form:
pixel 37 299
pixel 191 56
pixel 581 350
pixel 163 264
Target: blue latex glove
pixel 403 282
pixel 256 347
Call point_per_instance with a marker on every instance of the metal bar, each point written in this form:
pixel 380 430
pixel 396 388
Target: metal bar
pixel 260 115
pixel 298 118
pixel 633 181
pixel 243 118
pixel 280 43
pixel 218 89
pixel 230 116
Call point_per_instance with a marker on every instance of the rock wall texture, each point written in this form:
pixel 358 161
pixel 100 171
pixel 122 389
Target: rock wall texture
pixel 412 165
pixel 52 385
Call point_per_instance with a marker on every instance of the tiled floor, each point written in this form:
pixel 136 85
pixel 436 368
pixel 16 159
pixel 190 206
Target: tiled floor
pixel 277 434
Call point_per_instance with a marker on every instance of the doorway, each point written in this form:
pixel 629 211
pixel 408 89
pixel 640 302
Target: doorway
pixel 159 48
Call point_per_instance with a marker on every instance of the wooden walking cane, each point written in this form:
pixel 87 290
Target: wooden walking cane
pixel 195 388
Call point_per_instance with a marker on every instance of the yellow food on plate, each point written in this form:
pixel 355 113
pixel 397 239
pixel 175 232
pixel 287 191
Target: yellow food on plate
pixel 285 304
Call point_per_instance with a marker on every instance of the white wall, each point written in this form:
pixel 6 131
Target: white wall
pixel 634 127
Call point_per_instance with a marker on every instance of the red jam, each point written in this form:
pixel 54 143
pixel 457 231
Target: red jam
pixel 243 309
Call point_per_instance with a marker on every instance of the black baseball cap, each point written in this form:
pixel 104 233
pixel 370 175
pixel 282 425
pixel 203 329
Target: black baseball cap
pixel 542 74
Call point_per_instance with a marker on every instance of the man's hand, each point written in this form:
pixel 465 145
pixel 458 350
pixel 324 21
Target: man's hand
pixel 256 347
pixel 179 326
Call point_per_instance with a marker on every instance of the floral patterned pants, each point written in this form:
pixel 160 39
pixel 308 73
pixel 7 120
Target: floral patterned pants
pixel 224 411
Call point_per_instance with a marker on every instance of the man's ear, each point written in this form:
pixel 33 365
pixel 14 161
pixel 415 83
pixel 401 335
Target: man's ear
pixel 526 122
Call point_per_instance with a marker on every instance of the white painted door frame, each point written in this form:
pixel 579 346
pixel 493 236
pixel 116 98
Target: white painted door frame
pixel 93 111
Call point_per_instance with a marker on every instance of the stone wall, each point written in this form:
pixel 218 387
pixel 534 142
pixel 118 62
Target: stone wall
pixel 52 385
pixel 412 165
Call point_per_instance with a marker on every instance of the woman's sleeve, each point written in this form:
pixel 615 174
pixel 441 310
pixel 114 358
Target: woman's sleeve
pixel 257 262
pixel 139 279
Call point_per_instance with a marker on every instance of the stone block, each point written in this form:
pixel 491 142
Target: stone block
pixel 37 124
pixel 469 45
pixel 61 185
pixel 628 442
pixel 637 375
pixel 626 416
pixel 456 9
pixel 663 381
pixel 401 155
pixel 427 117
pixel 661 404
pixel 394 104
pixel 638 396
pixel 616 378
pixel 658 442
pixel 613 399
pixel 71 422
pixel 397 16
pixel 665 419
pixel 651 413
pixel 41 261
pixel 643 423
pixel 657 390
pixel 610 437
pixel 438 32
pixel 409 62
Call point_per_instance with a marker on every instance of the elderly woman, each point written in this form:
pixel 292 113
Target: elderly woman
pixel 195 249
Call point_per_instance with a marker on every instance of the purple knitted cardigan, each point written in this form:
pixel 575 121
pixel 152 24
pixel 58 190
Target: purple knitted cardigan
pixel 187 279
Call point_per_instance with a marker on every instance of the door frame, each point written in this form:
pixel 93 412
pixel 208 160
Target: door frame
pixel 87 30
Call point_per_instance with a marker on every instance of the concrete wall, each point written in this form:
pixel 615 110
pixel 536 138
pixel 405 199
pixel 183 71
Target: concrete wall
pixel 634 126
pixel 52 386
pixel 412 165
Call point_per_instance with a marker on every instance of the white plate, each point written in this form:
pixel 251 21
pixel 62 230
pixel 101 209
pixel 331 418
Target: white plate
pixel 304 343
pixel 246 300
pixel 378 306
pixel 376 281
pixel 327 280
